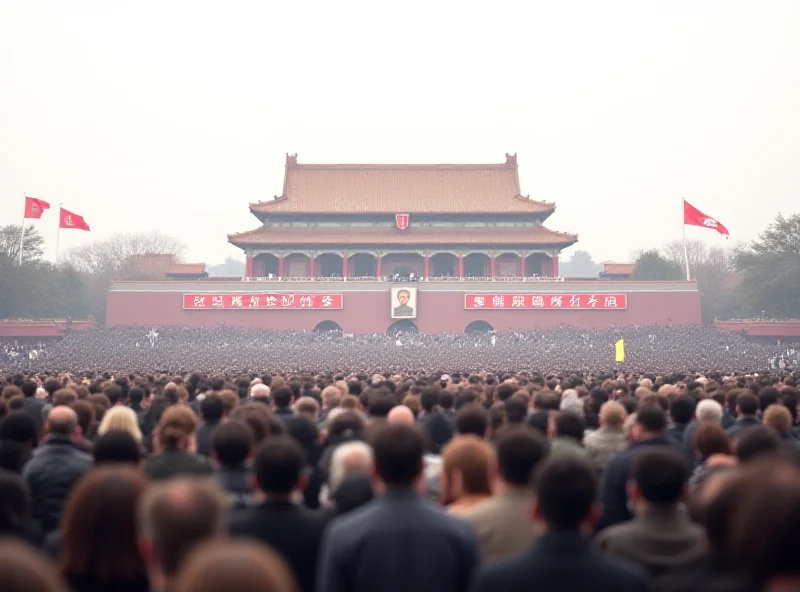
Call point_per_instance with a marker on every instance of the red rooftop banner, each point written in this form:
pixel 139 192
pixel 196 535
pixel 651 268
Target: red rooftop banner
pixel 72 220
pixel 694 217
pixel 262 301
pixel 546 301
pixel 34 208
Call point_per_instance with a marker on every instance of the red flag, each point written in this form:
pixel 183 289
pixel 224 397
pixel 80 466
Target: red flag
pixel 694 217
pixel 70 220
pixel 34 208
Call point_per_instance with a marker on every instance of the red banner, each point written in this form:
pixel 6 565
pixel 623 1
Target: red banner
pixel 546 301
pixel 262 301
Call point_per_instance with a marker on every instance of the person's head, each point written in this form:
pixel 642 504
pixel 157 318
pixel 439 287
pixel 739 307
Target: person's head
pixel 331 397
pixel 258 418
pixel 348 459
pixel 117 447
pixel 278 466
pixel 62 422
pixel 18 426
pixel 403 296
pixel 650 421
pixel 238 565
pixel 520 450
pixel 472 420
pixel 566 494
pixel 260 392
pixel 123 419
pixel 516 410
pixel 282 397
pixel 710 439
pixel 99 528
pixel 401 414
pixel 612 415
pixel 709 410
pixel 658 478
pixel 756 442
pixel 15 505
pixel 176 430
pixel 568 424
pixel 681 409
pixel 468 466
pixel 231 443
pixel 212 408
pixel 746 405
pixel 24 569
pixel 174 517
pixel 398 452
pixel 29 389
pixel 307 407
pixel 114 394
pixel 64 396
pixel 779 419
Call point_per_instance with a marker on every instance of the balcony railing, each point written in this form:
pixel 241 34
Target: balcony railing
pixel 399 279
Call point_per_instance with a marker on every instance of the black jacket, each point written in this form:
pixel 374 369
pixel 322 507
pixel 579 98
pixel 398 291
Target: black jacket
pixel 742 423
pixel 33 407
pixel 176 463
pixel 51 473
pixel 563 562
pixel 292 531
pixel 235 482
pixel 204 437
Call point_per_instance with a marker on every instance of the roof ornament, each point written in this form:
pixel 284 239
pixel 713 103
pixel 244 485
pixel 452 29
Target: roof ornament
pixel 511 158
pixel 291 159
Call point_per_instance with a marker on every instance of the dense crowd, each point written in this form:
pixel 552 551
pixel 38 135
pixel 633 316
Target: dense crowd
pixel 339 482
pixel 237 350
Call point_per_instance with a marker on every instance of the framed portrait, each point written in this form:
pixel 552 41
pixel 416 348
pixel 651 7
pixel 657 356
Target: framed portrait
pixel 404 303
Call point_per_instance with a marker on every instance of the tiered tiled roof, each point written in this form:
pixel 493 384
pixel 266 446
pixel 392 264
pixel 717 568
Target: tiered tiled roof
pixel 401 188
pixel 618 268
pixel 538 235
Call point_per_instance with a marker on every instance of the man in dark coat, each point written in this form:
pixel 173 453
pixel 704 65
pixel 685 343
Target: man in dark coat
pixel 401 541
pixel 211 409
pixel 291 530
pixel 55 467
pixel 746 414
pixel 563 559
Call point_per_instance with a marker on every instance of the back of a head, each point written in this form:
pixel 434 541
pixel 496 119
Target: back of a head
pixel 303 430
pixel 15 504
pixel 748 404
pixel 398 451
pixel 516 410
pixel 231 443
pixel 520 450
pixel 282 397
pixel 710 438
pixel 259 419
pixel 660 475
pixel 212 408
pixel 681 409
pixel 651 419
pixel 279 465
pixel 114 393
pixel 472 420
pixel 429 399
pixel 116 447
pixel 612 414
pixel 120 418
pixel 474 459
pixel 62 421
pixel 778 418
pixel 566 489
pixel 19 426
pixel 24 569
pixel 755 442
pixel 240 566
pixel 177 515
pixel 29 388
pixel 176 426
pixel 570 424
pixel 98 527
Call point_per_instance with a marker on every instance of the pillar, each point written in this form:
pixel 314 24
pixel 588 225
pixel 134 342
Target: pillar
pixel 427 273
pixel 378 265
pixel 311 270
pixel 345 258
pixel 555 265
pixel 491 266
pixel 522 265
pixel 280 266
pixel 460 265
pixel 248 266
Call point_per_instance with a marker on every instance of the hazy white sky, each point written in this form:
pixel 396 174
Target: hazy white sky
pixel 174 115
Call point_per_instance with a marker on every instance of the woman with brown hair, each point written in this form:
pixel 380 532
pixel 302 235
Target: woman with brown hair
pixel 713 448
pixel 22 569
pixel 467 466
pixel 175 446
pixel 240 566
pixel 98 550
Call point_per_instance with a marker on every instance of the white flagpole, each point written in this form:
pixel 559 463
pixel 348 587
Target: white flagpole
pixel 685 250
pixel 58 231
pixel 22 234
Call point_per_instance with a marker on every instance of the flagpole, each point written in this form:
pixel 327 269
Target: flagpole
pixel 685 250
pixel 22 233
pixel 58 232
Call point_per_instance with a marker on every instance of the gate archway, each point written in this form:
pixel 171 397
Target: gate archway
pixel 478 327
pixel 402 326
pixel 327 326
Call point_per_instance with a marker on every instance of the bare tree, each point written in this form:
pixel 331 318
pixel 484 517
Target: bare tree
pixel 9 244
pixel 697 251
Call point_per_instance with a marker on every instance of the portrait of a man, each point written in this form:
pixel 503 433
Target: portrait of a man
pixel 404 303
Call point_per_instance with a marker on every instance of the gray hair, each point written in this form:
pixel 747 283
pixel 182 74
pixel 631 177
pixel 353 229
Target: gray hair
pixel 259 390
pixel 709 410
pixel 570 401
pixel 347 459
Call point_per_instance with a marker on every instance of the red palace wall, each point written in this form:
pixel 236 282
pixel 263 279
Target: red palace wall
pixel 367 309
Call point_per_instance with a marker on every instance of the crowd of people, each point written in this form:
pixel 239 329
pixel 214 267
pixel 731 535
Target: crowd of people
pixel 351 482
pixel 236 350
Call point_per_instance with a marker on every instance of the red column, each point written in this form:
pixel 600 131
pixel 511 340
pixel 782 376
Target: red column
pixel 311 270
pixel 378 266
pixel 248 266
pixel 545 267
pixel 460 265
pixel 344 266
pixel 427 272
pixel 280 266
pixel 521 266
pixel 554 265
pixel 491 266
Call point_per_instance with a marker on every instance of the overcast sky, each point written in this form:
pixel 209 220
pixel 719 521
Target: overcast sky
pixel 175 115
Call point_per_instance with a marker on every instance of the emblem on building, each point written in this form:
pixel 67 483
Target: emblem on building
pixel 401 220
